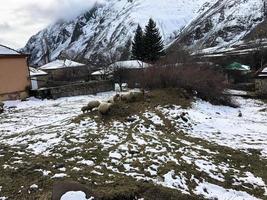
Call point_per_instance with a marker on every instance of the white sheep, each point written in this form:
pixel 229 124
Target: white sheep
pixel 114 99
pixel 90 106
pixel 132 96
pixel 104 108
pixel 128 97
pixel 93 104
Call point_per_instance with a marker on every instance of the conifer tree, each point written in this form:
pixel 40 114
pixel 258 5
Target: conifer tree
pixel 138 44
pixel 153 44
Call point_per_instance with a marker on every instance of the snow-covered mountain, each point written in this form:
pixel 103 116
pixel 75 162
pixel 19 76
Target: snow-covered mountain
pixel 223 25
pixel 104 31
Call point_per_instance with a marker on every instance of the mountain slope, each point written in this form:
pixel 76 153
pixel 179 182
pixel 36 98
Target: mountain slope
pixel 224 24
pixel 103 32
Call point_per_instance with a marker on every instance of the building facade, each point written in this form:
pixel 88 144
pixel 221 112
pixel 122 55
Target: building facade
pixel 14 74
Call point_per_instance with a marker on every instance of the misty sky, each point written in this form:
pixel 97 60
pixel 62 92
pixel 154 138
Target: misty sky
pixel 20 19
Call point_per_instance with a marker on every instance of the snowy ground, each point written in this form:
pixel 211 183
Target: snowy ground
pixel 204 150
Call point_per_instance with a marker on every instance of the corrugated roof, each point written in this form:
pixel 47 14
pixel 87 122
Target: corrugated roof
pixel 59 64
pixel 36 72
pixel 238 66
pixel 130 64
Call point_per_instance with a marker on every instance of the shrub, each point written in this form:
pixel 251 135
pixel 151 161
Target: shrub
pixel 208 83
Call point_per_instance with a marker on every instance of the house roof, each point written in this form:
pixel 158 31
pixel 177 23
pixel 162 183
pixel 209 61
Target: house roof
pixel 102 72
pixel 37 72
pixel 263 73
pixel 60 64
pixel 130 64
pixel 238 66
pixel 264 70
pixel 8 51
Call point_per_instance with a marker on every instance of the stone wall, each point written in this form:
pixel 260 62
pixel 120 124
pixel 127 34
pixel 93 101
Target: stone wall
pixel 75 89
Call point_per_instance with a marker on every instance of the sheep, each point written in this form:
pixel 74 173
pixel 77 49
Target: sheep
pixel 129 97
pixel 85 109
pixel 132 97
pixel 138 95
pixel 104 108
pixel 93 104
pixel 114 99
pixel 90 106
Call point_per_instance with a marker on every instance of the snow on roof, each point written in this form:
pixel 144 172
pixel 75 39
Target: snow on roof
pixel 262 75
pixel 238 66
pixel 97 73
pixel 36 72
pixel 8 51
pixel 59 64
pixel 102 72
pixel 130 64
pixel 264 70
pixel 246 67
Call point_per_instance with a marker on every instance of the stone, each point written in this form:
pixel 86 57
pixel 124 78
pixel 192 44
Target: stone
pixel 61 188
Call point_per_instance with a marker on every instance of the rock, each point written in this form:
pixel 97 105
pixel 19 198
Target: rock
pixel 59 165
pixel 130 119
pixel 34 188
pixel 12 107
pixel 184 119
pixel 263 110
pixel 61 188
pixel 1 107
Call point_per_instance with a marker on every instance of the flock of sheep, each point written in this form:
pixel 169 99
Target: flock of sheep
pixel 104 107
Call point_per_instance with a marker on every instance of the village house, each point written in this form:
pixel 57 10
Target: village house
pixel 128 65
pixel 64 72
pixel 14 74
pixel 39 78
pixel 261 82
pixel 237 72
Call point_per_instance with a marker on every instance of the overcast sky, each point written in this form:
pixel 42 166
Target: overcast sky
pixel 20 19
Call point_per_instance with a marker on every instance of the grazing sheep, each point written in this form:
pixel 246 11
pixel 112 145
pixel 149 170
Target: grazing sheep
pixel 93 104
pixel 114 99
pixel 138 96
pixel 90 106
pixel 129 97
pixel 104 108
pixel 85 109
pixel 132 97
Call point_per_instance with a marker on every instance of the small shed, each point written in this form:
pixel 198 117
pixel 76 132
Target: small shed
pixel 63 72
pixel 127 66
pixel 237 72
pixel 38 78
pixel 261 82
pixel 235 66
